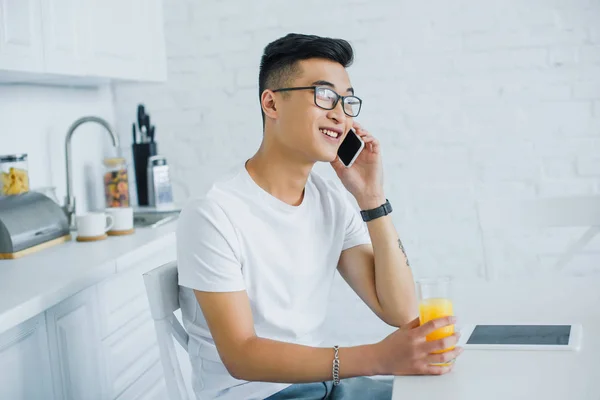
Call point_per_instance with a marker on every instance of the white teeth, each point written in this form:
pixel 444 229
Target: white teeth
pixel 329 133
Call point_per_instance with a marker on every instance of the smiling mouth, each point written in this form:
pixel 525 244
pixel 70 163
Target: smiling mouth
pixel 331 133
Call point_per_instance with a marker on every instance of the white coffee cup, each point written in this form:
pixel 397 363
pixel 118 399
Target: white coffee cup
pixel 122 217
pixel 93 224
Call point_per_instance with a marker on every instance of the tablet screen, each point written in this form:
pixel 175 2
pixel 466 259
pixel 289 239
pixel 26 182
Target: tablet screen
pixel 521 334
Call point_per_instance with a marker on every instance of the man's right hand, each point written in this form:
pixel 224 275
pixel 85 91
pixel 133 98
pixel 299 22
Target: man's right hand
pixel 407 352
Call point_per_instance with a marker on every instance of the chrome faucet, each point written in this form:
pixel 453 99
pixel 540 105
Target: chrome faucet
pixel 69 207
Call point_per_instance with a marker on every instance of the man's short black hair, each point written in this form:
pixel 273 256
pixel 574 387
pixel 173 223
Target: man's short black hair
pixel 278 65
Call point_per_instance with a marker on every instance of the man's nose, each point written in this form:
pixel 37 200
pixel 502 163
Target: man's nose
pixel 337 113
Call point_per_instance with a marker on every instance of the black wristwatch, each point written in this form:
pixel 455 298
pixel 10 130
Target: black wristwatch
pixel 382 210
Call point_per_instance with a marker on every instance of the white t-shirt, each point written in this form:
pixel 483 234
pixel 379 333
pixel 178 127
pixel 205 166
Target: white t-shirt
pixel 239 237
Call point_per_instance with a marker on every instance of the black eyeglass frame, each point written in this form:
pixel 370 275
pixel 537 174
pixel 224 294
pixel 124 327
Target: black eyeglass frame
pixel 335 103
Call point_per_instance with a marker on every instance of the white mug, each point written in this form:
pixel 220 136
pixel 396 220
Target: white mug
pixel 122 217
pixel 93 224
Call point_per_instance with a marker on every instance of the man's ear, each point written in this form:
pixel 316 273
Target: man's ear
pixel 267 102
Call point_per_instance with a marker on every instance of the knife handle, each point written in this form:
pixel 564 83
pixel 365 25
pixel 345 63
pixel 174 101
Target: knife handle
pixel 151 133
pixel 141 111
pixel 134 133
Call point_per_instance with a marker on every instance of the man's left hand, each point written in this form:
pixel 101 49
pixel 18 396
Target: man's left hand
pixel 364 179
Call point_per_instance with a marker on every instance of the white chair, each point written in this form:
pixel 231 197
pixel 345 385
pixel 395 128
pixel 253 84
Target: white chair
pixel 553 212
pixel 163 295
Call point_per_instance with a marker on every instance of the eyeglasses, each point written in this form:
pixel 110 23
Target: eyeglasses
pixel 327 99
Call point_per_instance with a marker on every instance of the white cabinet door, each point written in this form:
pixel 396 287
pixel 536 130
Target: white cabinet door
pixel 20 36
pixel 129 338
pixel 24 362
pixel 75 348
pixel 88 40
pixel 150 386
pixel 113 37
pixel 66 33
pixel 130 352
pixel 127 39
pixel 152 54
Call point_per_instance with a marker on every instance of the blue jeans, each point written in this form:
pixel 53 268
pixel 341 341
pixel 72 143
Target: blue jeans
pixel 349 389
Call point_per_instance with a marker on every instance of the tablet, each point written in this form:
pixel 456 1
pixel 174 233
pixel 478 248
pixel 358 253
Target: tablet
pixel 521 337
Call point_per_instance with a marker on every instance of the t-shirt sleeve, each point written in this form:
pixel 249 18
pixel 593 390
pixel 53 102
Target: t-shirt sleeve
pixel 356 229
pixel 208 254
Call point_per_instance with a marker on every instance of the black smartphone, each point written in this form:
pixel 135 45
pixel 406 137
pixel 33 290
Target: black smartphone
pixel 350 148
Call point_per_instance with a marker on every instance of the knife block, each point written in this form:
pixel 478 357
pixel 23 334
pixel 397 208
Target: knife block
pixel 141 152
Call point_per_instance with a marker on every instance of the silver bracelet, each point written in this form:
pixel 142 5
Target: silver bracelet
pixel 336 366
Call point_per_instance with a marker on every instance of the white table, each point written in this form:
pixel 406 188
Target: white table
pixel 531 375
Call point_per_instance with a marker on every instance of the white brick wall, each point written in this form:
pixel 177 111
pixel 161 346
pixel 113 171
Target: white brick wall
pixel 471 100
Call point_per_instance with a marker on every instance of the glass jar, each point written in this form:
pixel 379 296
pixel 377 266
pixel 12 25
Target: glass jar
pixel 116 182
pixel 15 175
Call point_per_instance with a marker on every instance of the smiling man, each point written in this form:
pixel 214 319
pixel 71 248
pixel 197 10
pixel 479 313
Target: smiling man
pixel 257 255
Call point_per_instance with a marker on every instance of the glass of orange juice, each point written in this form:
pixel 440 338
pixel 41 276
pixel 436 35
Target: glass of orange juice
pixel 435 302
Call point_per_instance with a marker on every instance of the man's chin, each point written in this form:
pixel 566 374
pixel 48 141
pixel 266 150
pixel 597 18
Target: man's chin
pixel 329 158
pixel 326 157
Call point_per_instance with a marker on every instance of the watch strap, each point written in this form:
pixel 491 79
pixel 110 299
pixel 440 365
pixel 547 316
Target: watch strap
pixel 374 213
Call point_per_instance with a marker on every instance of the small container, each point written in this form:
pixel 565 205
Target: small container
pixel 160 191
pixel 15 174
pixel 116 182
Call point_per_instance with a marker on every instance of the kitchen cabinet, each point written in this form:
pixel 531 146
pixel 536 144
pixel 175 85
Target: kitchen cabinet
pixel 75 348
pixel 129 340
pixel 21 36
pixel 24 362
pixel 66 36
pixel 150 386
pixel 129 43
pixel 129 353
pixel 82 41
pixel 98 343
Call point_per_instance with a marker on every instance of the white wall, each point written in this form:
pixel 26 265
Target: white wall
pixel 35 119
pixel 471 100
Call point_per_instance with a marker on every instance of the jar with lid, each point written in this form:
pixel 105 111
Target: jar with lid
pixel 15 175
pixel 116 182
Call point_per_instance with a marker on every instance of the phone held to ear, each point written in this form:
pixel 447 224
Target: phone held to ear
pixel 350 148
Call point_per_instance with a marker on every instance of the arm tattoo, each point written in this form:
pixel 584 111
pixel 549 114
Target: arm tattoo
pixel 403 252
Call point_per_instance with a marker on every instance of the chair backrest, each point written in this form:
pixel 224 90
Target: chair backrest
pixel 566 211
pixel 163 295
pixel 553 212
pixel 569 211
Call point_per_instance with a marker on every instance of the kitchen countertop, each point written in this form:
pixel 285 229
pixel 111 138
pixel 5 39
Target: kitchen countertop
pixel 38 281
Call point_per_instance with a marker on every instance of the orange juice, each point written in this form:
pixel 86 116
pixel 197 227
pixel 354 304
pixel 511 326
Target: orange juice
pixel 436 308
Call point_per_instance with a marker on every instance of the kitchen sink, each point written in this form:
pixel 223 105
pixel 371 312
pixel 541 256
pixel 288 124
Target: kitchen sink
pixel 150 217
